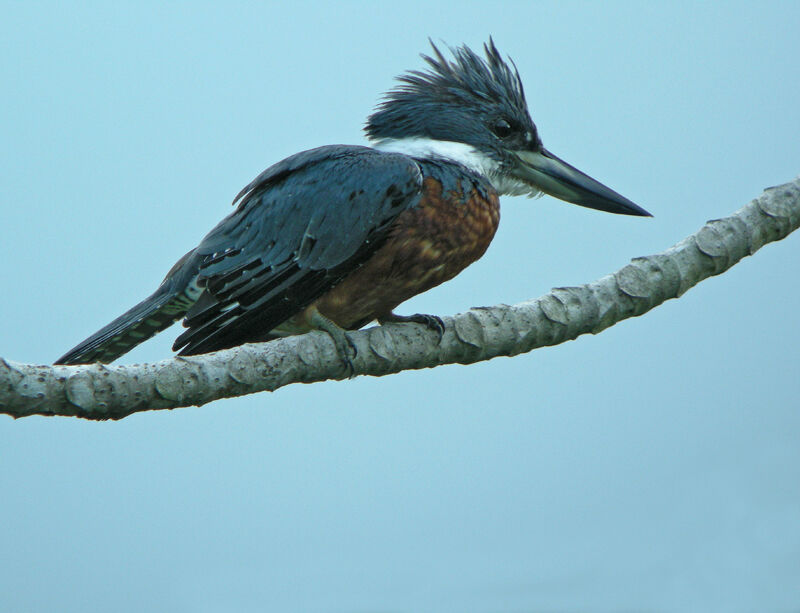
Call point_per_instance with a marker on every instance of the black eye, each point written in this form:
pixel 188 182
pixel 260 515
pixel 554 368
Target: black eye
pixel 502 128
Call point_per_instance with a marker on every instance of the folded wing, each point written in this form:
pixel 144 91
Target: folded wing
pixel 300 227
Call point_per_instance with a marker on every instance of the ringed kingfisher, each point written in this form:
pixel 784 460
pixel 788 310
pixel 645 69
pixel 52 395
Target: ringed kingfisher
pixel 336 237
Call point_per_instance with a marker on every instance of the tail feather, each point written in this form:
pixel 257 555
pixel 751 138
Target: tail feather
pixel 170 302
pixel 140 323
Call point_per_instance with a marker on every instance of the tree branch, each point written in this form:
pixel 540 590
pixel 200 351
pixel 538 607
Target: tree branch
pixel 99 391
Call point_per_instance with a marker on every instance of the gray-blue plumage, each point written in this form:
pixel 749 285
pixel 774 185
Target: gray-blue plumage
pixel 338 195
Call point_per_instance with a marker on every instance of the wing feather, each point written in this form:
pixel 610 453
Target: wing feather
pixel 299 228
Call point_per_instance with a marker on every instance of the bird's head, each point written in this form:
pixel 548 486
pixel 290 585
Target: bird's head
pixel 473 111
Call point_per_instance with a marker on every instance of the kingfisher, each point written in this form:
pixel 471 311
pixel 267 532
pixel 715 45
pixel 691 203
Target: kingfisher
pixel 337 237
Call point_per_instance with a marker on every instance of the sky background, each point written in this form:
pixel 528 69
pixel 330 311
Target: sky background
pixel 654 467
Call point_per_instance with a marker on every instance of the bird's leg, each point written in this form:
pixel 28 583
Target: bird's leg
pixel 345 346
pixel 432 322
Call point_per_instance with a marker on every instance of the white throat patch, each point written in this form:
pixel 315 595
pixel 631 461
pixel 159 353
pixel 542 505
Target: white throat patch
pixel 464 154
pixel 461 153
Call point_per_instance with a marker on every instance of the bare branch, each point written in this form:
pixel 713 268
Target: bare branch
pixel 111 392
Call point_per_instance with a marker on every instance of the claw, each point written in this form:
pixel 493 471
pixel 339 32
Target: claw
pixel 432 322
pixel 345 346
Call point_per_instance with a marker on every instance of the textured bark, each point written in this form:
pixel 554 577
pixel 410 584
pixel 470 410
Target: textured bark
pixel 111 392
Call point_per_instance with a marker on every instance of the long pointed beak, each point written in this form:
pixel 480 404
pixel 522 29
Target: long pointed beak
pixel 554 176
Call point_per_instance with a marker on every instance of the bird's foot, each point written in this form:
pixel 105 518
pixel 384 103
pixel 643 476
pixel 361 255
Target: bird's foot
pixel 432 322
pixel 345 346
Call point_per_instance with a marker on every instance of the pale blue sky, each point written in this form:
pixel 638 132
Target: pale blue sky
pixel 654 467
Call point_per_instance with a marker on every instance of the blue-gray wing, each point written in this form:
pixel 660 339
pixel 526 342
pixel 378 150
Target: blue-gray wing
pixel 299 228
